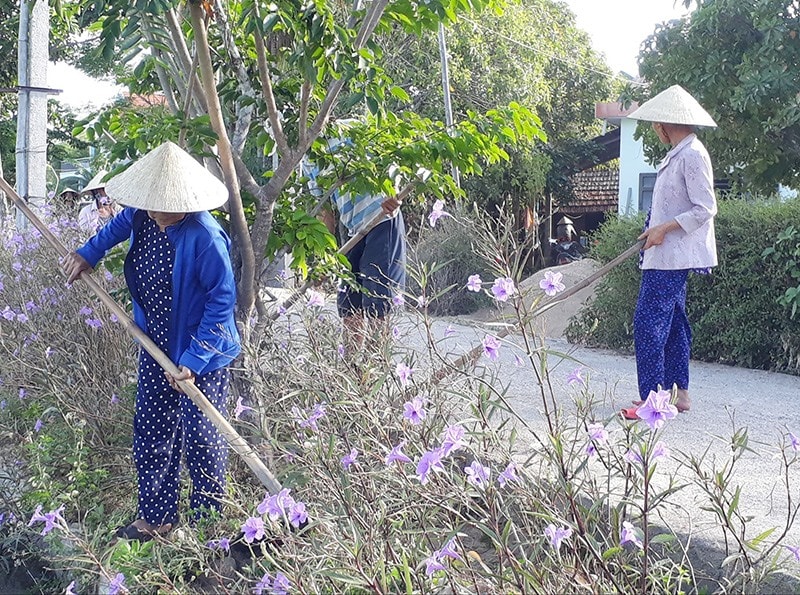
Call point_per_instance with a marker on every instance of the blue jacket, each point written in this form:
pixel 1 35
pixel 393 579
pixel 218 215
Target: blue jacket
pixel 202 334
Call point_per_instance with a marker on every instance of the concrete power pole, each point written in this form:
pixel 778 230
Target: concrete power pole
pixel 34 39
pixel 448 106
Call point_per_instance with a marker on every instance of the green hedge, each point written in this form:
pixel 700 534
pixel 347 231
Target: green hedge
pixel 735 315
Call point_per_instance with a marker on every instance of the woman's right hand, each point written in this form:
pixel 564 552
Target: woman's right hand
pixel 73 264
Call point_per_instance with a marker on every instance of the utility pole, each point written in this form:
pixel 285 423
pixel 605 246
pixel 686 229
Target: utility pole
pixel 448 107
pixel 32 57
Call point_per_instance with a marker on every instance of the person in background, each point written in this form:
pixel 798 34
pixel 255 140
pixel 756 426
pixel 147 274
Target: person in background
pixel 179 273
pixel 100 209
pixel 678 239
pixel 69 199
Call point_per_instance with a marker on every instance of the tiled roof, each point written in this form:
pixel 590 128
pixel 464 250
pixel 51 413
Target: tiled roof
pixel 596 190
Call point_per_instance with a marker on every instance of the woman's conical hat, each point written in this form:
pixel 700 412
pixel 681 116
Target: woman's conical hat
pixel 96 182
pixel 169 180
pixel 674 106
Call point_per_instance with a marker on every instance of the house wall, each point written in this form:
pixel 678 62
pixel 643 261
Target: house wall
pixel 631 163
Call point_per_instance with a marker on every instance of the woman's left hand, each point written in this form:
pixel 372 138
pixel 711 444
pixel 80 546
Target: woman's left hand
pixel 184 373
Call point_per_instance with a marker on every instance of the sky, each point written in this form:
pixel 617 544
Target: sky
pixel 618 27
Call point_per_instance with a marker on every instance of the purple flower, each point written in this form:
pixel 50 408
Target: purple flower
pixel 282 310
pixel 794 441
pixel 70 589
pixel 557 534
pixel 240 408
pixel 795 552
pixel 113 318
pixel 276 505
pixel 22 317
pixel 49 518
pixel 107 275
pixel 474 283
pixel 281 584
pixel 340 350
pixel 114 399
pixel 437 213
pixel 298 514
pixel 509 474
pixel 657 409
pixel 422 301
pixel 660 451
pixel 398 300
pixel 311 420
pixel 395 332
pixel 628 535
pixel 503 288
pixel 551 283
pixel 48 352
pixel 38 425
pixel 315 299
pixel 403 373
pixel 85 311
pixel 117 584
pixel 397 454
pixel 253 529
pixel 597 433
pixel 414 411
pixel 478 475
pixel 448 550
pixel 8 313
pixel 349 459
pixel 17 266
pixel 576 378
pixel 219 544
pixel 430 461
pixel 449 331
pixel 632 456
pixel 262 585
pixel 94 322
pixel 518 361
pixel 433 564
pixel 591 450
pixel 3 404
pixel 491 347
pixel 452 439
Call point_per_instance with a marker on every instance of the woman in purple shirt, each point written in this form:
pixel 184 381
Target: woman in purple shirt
pixel 679 238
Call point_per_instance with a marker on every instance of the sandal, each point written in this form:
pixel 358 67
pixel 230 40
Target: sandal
pixel 630 413
pixel 134 533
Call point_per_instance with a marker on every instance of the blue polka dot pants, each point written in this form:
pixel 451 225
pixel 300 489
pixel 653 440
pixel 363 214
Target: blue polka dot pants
pixel 661 332
pixel 168 424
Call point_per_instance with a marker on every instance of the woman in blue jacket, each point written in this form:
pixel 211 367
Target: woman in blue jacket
pixel 181 282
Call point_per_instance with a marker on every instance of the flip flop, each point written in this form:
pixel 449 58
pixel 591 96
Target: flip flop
pixel 133 533
pixel 629 413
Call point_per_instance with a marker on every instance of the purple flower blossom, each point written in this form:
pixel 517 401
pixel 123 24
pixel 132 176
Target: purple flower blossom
pixel 474 283
pixel 49 518
pixel 340 350
pixel 551 283
pixel 576 378
pixel 117 584
pixel 114 399
pixel 350 458
pixel 657 409
pixel 633 456
pixel 395 332
pixel 794 442
pixel 8 313
pixel 298 514
pixel 437 213
pixel 398 300
pixel 282 310
pixel 491 347
pixel 94 322
pixel 597 433
pixel 628 535
pixel 17 266
pixel 281 584
pixel 660 451
pixel 433 564
pixel 22 393
pixel 414 411
pixel 107 275
pixel 403 373
pixel 503 288
pixel 276 505
pixel 315 299
pixel 448 550
pixel 311 420
pixel 557 534
pixel 85 311
pixel 253 529
pixel 397 454
pixel 113 318
pixel 591 450
pixel 430 461
pixel 3 404
pixel 38 425
pixel 219 544
pixel 509 474
pixel 240 408
pixel 478 475
pixel 795 552
pixel 262 585
pixel 22 317
pixel 422 301
pixel 518 361
pixel 70 589
pixel 449 331
pixel 452 439
pixel 48 352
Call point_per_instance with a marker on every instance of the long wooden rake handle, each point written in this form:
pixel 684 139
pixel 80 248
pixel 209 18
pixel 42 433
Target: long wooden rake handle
pixel 470 356
pixel 236 442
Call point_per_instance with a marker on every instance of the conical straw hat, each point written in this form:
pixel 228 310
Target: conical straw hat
pixel 169 180
pixel 674 106
pixel 96 182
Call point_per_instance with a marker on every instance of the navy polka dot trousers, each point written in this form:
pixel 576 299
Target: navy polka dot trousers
pixel 661 332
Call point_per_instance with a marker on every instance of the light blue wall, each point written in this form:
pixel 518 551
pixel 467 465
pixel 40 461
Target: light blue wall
pixel 631 164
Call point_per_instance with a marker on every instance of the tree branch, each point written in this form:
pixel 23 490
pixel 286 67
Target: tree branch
pixel 269 96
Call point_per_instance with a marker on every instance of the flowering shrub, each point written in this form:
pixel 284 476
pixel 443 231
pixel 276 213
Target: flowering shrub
pixel 392 482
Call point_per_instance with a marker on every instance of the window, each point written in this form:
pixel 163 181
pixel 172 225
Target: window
pixel 646 184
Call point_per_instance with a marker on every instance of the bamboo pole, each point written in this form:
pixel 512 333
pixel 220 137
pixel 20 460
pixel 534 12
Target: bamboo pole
pixel 470 356
pixel 236 442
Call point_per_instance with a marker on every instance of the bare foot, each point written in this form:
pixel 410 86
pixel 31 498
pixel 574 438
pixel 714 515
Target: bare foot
pixel 682 401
